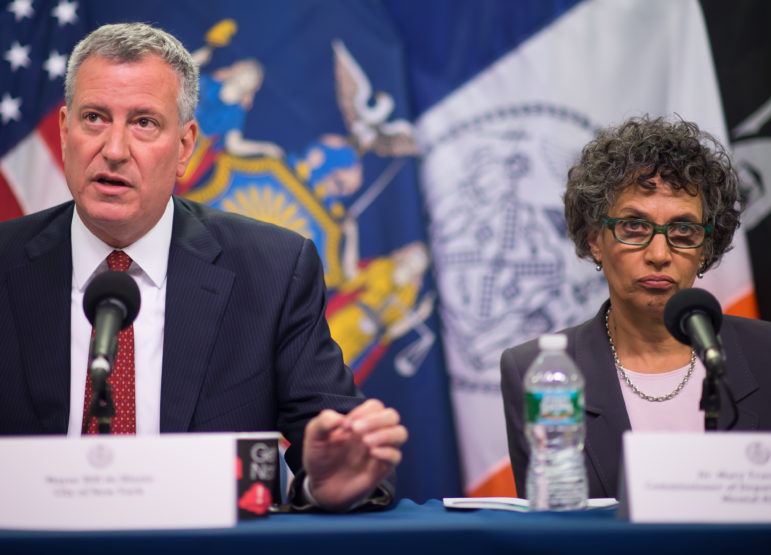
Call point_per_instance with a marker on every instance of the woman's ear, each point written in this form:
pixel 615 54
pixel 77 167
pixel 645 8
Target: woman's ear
pixel 594 246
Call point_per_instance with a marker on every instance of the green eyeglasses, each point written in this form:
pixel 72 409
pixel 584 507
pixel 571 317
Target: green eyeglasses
pixel 634 231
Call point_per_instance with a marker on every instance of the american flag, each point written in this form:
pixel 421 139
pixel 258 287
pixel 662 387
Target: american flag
pixel 36 37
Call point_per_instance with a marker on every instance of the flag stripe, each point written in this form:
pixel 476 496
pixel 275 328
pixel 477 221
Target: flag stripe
pixel 9 206
pixel 34 174
pixel 48 128
pixel 499 482
pixel 746 306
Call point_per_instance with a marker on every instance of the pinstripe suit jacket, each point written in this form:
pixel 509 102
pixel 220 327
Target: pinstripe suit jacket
pixel 246 343
pixel 747 351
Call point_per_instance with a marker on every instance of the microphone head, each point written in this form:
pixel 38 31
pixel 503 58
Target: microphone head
pixel 690 301
pixel 112 285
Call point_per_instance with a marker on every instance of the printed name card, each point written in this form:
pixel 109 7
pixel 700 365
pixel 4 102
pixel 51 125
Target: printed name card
pixel 174 481
pixel 696 477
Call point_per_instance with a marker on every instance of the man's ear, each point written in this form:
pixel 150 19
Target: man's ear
pixel 187 140
pixel 63 128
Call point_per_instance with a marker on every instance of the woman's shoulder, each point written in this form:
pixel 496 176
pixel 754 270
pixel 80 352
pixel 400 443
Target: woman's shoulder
pixel 747 333
pixel 746 325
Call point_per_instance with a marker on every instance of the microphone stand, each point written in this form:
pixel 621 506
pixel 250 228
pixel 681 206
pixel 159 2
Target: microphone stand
pixel 102 406
pixel 710 393
pixel 710 401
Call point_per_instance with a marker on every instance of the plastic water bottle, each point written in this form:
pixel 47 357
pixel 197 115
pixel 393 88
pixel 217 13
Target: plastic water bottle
pixel 554 425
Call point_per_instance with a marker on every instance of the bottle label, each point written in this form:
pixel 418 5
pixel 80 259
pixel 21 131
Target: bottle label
pixel 557 407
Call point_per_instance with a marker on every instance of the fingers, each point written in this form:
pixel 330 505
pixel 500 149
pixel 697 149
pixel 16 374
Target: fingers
pixel 371 425
pixel 386 418
pixel 386 435
pixel 380 430
pixel 326 422
pixel 370 406
pixel 386 439
pixel 388 455
pixel 371 415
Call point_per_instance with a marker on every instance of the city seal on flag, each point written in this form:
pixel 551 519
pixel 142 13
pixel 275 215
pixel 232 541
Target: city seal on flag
pixel 505 268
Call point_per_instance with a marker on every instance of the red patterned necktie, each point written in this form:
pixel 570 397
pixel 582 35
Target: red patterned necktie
pixel 121 378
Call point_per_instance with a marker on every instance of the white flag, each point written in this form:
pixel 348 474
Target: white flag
pixel 497 154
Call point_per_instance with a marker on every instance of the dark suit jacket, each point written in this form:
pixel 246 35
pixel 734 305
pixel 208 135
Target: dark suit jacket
pixel 246 345
pixel 747 351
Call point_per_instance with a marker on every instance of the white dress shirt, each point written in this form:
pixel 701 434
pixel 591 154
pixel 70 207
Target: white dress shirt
pixel 150 256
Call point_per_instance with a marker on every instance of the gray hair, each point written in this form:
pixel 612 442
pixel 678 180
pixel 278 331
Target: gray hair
pixel 131 42
pixel 683 155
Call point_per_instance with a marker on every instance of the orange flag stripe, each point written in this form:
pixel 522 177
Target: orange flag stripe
pixel 746 306
pixel 498 484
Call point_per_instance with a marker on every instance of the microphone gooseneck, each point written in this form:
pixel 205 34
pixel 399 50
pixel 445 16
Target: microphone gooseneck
pixel 687 302
pixel 693 316
pixel 111 302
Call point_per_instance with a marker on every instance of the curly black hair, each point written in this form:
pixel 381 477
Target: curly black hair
pixel 679 152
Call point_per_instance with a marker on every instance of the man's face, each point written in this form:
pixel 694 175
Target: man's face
pixel 122 145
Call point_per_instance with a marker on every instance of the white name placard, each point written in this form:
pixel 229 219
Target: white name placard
pixel 118 482
pixel 697 477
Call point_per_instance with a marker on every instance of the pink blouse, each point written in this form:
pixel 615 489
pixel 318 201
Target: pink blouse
pixel 680 413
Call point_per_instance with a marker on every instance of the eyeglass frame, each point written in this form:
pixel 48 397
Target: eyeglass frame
pixel 610 223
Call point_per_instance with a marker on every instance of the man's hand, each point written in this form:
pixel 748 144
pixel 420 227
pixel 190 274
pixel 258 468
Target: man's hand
pixel 347 456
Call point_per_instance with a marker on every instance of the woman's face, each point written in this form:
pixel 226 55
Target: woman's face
pixel 643 278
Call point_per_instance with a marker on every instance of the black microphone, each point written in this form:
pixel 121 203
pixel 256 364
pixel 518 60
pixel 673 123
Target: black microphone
pixel 693 316
pixel 111 302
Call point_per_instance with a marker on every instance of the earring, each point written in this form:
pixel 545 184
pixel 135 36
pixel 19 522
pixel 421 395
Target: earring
pixel 700 274
pixel 598 266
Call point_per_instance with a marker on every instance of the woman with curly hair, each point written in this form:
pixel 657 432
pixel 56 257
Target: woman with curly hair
pixel 654 203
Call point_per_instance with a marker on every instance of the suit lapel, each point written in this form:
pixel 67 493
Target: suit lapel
pixel 43 320
pixel 197 292
pixel 606 416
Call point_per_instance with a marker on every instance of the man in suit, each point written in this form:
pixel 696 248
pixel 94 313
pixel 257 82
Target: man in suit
pixel 231 335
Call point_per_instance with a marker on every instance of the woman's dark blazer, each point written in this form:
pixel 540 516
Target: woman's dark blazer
pixel 747 345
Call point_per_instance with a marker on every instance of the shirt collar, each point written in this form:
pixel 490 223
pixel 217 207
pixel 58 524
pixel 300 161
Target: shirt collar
pixel 150 253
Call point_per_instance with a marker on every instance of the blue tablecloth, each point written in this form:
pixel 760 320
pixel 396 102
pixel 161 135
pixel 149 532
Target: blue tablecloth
pixel 412 528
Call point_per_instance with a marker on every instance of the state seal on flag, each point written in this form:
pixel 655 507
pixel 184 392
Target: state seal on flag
pixel 267 189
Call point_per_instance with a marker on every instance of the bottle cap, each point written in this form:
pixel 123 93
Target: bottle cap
pixel 553 342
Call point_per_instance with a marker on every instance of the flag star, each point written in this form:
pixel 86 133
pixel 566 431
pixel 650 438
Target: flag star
pixel 55 65
pixel 9 108
pixel 21 9
pixel 17 56
pixel 65 12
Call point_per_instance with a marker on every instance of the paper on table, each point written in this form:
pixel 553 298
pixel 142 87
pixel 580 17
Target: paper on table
pixel 514 503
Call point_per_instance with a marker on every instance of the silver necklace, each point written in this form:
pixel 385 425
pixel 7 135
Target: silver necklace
pixel 634 388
